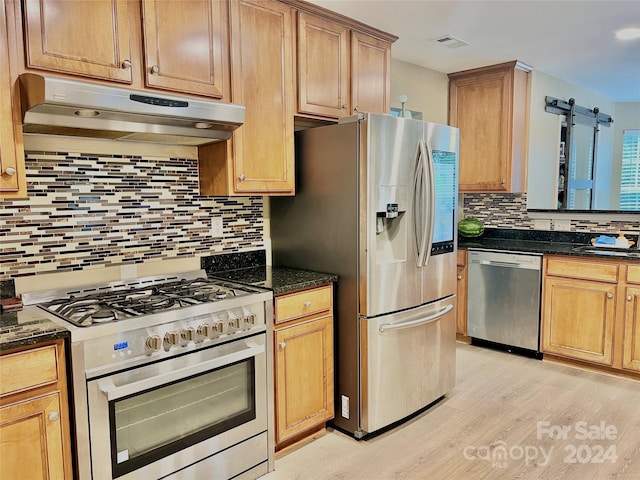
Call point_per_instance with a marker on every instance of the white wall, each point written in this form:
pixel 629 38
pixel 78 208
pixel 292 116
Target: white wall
pixel 427 90
pixel 544 137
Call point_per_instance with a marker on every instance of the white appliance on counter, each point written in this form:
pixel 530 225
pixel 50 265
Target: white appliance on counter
pixel 376 203
pixel 172 377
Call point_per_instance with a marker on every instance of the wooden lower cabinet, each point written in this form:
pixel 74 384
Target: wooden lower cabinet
pixel 303 366
pixel 461 317
pixel 31 439
pixel 34 421
pixel 578 319
pixel 591 312
pixel 631 353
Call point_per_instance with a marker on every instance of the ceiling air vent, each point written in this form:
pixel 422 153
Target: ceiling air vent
pixel 450 41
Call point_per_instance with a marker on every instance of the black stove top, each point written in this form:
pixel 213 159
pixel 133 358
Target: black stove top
pixel 100 305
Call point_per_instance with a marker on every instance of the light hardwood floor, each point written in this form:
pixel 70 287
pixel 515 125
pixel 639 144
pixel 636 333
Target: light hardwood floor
pixel 487 427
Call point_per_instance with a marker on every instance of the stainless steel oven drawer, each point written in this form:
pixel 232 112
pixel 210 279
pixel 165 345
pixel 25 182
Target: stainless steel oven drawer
pixel 231 463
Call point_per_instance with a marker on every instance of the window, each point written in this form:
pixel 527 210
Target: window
pixel 630 175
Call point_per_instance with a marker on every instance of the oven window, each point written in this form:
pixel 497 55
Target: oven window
pixel 156 423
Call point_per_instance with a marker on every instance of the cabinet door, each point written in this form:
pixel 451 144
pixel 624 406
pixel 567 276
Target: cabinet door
pixel 631 354
pixel 262 75
pixel 323 67
pixel 186 46
pixel 80 38
pixel 31 436
pixel 578 319
pixel 481 109
pixel 304 376
pixel 370 74
pixel 12 175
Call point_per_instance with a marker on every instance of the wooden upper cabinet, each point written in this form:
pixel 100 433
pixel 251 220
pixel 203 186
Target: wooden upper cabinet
pixel 259 159
pixel 186 46
pixel 490 107
pixel 12 169
pixel 323 67
pixel 341 71
pixel 370 74
pixel 81 38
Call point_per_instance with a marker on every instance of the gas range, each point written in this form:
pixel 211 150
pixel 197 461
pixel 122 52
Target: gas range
pixel 170 374
pixel 140 320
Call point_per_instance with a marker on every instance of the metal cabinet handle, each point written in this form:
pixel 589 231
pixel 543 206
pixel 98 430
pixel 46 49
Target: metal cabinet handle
pixel 459 277
pixel 307 304
pixel 344 106
pixel 502 181
pixel 609 295
pixel 155 69
pixel 241 177
pixel 10 171
pixel 629 298
pixel 53 416
pixel 126 64
pixel 282 345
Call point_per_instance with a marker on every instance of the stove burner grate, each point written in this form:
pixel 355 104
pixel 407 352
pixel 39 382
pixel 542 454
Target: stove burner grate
pixel 122 302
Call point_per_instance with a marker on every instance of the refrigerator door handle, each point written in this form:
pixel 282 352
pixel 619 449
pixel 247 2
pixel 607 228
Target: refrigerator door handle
pixel 419 198
pixel 431 207
pixel 388 327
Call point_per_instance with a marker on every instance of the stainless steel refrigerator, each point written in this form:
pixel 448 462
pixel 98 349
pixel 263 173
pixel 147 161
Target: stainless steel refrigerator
pixel 376 203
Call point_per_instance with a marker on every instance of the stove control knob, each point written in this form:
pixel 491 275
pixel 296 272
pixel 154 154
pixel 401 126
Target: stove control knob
pixel 171 338
pixel 206 330
pixel 250 320
pixel 236 322
pixel 221 327
pixel 154 342
pixel 188 334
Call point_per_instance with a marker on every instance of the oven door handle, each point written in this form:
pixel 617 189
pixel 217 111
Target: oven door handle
pixel 113 392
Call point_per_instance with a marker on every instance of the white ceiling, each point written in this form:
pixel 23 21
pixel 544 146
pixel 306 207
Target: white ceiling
pixel 571 40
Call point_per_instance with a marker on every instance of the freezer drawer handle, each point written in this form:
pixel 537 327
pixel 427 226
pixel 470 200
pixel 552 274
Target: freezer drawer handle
pixel 387 327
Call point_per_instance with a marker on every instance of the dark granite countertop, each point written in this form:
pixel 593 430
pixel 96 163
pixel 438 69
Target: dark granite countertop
pixel 279 279
pixel 250 268
pixel 28 326
pixel 546 243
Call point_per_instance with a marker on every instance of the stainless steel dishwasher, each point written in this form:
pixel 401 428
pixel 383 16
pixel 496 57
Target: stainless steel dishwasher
pixel 504 298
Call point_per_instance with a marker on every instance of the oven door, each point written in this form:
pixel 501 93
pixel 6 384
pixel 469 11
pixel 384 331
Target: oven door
pixel 154 420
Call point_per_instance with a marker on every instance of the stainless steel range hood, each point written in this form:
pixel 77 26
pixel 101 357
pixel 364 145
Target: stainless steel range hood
pixel 56 106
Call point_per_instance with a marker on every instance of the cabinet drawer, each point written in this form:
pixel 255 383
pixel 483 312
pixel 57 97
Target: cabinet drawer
pixel 583 269
pixel 633 274
pixel 28 369
pixel 308 302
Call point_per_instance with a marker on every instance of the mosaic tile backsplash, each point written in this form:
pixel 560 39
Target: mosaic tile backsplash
pixel 509 210
pixel 88 211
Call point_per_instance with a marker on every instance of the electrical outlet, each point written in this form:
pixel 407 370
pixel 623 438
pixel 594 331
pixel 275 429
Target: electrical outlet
pixel 562 225
pixel 345 406
pixel 216 227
